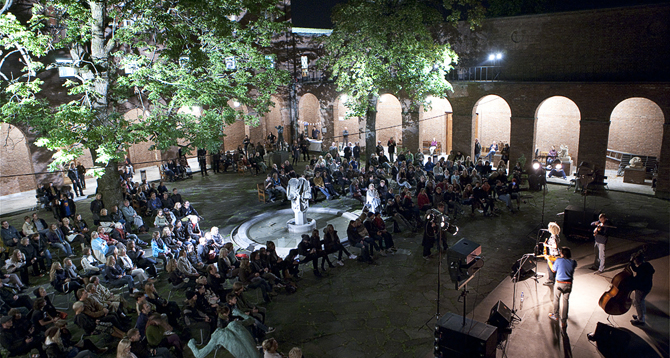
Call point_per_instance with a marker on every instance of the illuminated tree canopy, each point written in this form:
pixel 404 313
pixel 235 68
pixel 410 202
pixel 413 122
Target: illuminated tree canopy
pixel 158 56
pixel 390 46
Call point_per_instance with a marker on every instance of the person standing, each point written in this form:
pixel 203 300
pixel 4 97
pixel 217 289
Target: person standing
pixel 391 149
pixel 202 161
pixel 478 150
pixel 345 136
pixel 73 174
pixel 642 283
pixel 564 268
pixel 600 235
pixel 81 170
pixel 551 251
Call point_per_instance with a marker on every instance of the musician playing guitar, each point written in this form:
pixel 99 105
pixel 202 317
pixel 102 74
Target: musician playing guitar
pixel 600 235
pixel 551 251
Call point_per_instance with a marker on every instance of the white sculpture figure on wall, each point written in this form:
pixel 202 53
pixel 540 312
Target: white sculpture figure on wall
pixel 299 192
pixel 563 153
pixel 635 162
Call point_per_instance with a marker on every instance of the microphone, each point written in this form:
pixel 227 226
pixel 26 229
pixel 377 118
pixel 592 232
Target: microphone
pixel 545 230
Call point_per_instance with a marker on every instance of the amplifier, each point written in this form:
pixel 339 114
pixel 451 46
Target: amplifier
pixel 474 340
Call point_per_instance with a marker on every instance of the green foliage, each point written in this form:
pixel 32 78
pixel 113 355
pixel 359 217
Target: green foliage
pixel 388 46
pixel 178 51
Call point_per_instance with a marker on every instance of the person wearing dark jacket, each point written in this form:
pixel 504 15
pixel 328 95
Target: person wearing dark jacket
pixel 68 209
pixel 10 236
pixel 33 257
pixel 11 297
pixel 355 239
pixel 60 281
pixel 56 347
pixel 642 282
pixel 117 276
pixel 307 249
pixel 15 341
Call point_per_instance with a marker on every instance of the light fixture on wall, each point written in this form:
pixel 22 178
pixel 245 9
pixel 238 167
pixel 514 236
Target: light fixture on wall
pixel 65 68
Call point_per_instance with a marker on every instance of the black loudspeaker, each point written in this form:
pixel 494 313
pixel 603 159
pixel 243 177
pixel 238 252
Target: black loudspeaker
pixel 577 222
pixel 526 265
pixel 612 342
pixel 474 340
pixel 500 315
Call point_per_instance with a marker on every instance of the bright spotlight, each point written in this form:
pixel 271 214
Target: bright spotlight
pixel 492 57
pixel 536 165
pixel 498 55
pixel 236 104
pixel 559 166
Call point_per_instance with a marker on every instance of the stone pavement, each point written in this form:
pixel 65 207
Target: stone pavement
pixel 362 310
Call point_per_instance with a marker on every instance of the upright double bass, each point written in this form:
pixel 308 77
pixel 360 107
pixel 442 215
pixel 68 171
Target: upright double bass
pixel 616 301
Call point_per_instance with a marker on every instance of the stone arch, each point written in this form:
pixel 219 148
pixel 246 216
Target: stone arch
pixel 436 123
pixel 492 121
pixel 389 119
pixel 557 122
pixel 308 113
pixel 636 127
pixel 15 161
pixel 352 124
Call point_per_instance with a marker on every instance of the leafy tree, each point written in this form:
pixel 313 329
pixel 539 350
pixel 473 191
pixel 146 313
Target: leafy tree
pixel 391 46
pixel 156 55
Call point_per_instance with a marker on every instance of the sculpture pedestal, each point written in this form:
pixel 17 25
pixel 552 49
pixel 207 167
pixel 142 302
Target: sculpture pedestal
pixel 306 227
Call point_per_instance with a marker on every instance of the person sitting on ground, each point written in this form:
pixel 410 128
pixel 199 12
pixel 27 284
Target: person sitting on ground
pixel 116 276
pixel 97 311
pixel 158 248
pixel 184 265
pixel 56 238
pixel 356 240
pixel 60 281
pixel 232 336
pixel 10 296
pixel 253 280
pixel 92 325
pixel 129 266
pixel 73 273
pixel 14 341
pixel 140 348
pixel 331 243
pixel 159 333
pixel 32 257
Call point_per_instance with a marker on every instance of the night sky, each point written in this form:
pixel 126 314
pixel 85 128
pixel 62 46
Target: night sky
pixel 316 13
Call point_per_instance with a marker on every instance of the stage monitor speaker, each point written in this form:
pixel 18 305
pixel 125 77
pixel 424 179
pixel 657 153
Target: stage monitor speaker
pixel 612 341
pixel 577 222
pixel 500 315
pixel 526 271
pixel 464 251
pixel 474 340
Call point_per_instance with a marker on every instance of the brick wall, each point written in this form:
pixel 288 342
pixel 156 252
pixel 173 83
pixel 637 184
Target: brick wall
pixel 234 135
pixel 351 123
pixel 139 153
pixel 14 161
pixel 636 127
pixel 273 118
pixel 433 124
pixel 494 120
pixel 389 120
pixel 572 45
pixel 558 123
pixel 308 111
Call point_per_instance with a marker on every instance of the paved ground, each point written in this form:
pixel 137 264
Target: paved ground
pixel 362 310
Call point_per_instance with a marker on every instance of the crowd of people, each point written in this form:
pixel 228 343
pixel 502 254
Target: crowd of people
pixel 110 254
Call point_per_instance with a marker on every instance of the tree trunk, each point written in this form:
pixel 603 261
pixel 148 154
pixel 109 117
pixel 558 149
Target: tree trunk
pixel 108 184
pixel 371 127
pixel 410 123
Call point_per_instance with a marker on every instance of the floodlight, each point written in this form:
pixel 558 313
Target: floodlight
pixel 236 104
pixel 492 57
pixel 498 55
pixel 536 165
pixel 559 166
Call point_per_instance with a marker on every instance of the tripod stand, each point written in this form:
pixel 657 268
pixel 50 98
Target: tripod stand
pixel 516 278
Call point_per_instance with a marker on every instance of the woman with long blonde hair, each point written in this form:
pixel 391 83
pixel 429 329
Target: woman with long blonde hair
pixel 123 349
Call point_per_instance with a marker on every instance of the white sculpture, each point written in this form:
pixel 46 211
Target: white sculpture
pixel 563 153
pixel 299 192
pixel 635 162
